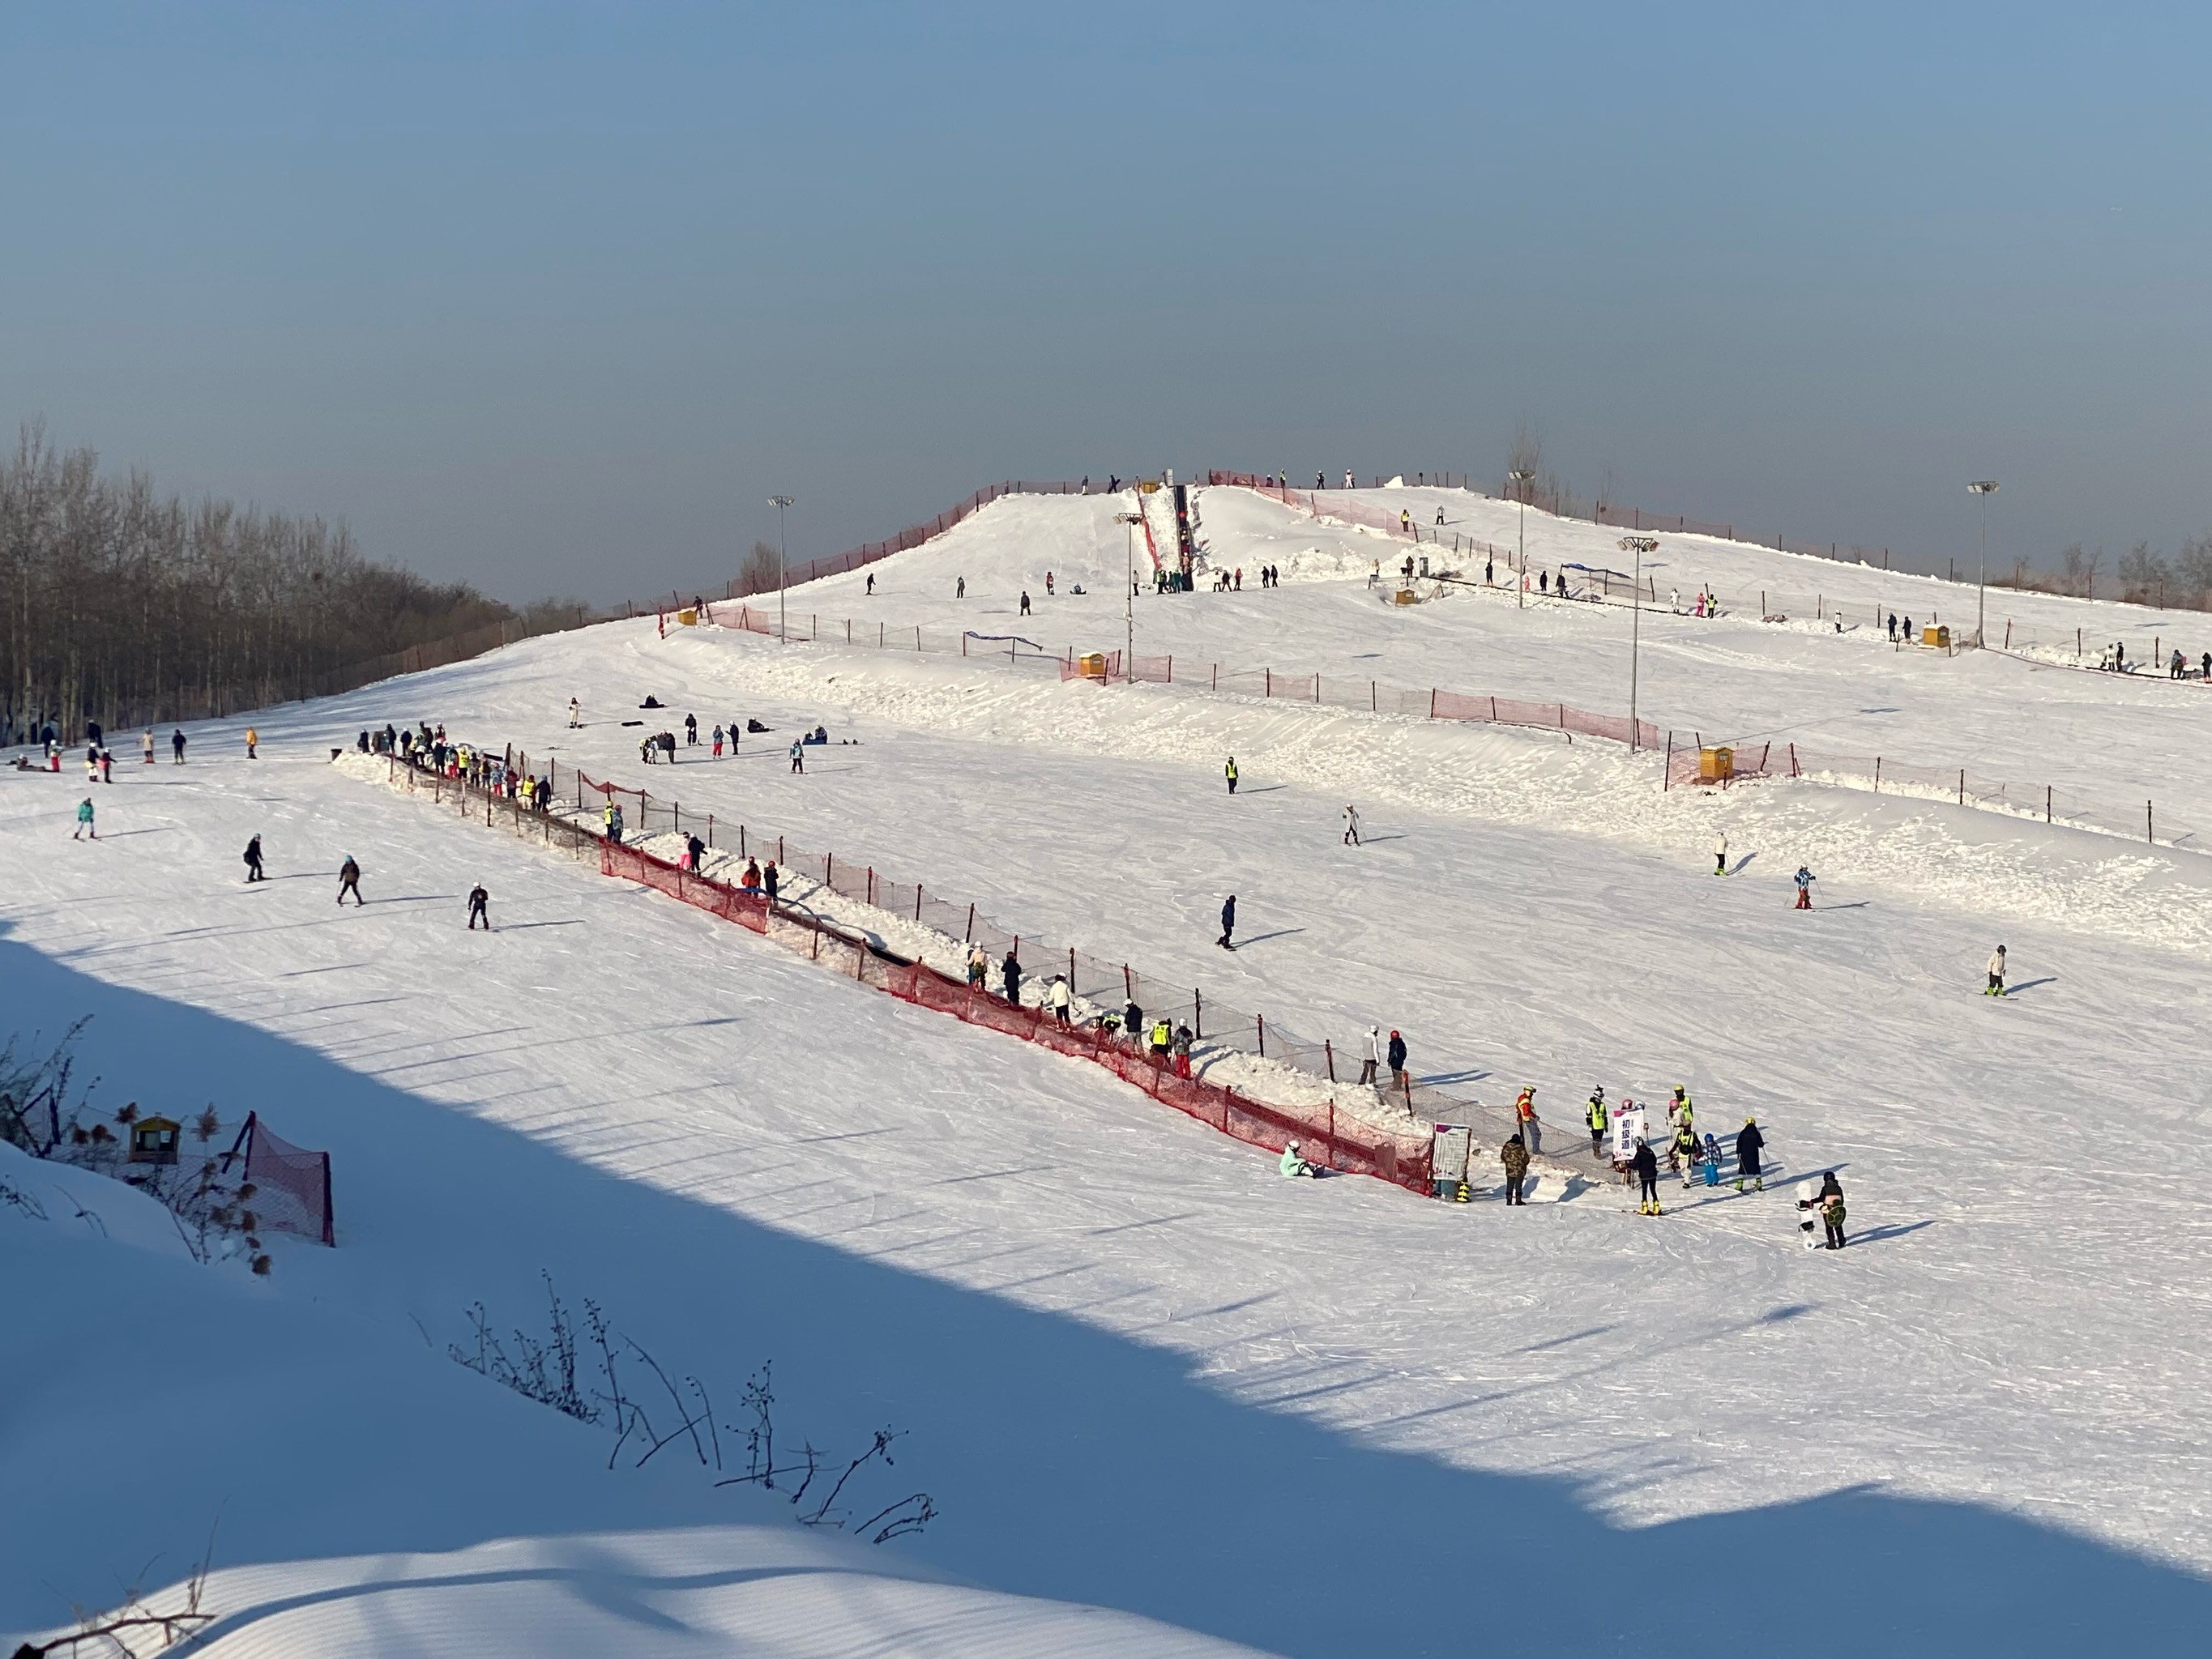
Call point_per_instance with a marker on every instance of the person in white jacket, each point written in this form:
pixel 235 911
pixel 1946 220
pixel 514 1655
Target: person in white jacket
pixel 1374 1054
pixel 1351 826
pixel 1059 997
pixel 1720 853
pixel 1997 972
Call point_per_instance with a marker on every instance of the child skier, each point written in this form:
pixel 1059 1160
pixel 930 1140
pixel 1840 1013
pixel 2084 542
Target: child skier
pixel 1804 880
pixel 1712 1161
pixel 84 821
pixel 1293 1164
pixel 349 881
pixel 1997 972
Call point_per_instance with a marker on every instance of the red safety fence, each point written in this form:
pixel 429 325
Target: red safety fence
pixel 291 1185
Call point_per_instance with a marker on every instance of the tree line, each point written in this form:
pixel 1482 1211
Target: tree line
pixel 121 604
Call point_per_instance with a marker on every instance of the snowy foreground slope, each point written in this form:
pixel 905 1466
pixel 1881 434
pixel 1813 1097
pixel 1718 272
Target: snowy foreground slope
pixel 1140 1373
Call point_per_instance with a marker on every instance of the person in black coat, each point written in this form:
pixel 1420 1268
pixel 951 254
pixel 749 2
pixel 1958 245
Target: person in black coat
pixel 1396 1056
pixel 1646 1165
pixel 1228 922
pixel 1749 1143
pixel 1009 974
pixel 253 870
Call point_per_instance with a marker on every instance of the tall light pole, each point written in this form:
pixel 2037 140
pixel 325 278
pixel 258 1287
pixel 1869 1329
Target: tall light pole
pixel 783 560
pixel 1128 523
pixel 1521 475
pixel 1984 488
pixel 1639 545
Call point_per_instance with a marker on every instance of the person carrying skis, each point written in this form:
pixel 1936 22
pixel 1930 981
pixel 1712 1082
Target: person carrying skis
pixel 478 900
pixel 1010 976
pixel 1720 852
pixel 1646 1165
pixel 1060 998
pixel 1524 1113
pixel 84 821
pixel 253 870
pixel 1229 771
pixel 1596 1117
pixel 1396 1054
pixel 1228 922
pixel 1804 879
pixel 349 881
pixel 1514 1155
pixel 1749 1144
pixel 1293 1164
pixel 1350 825
pixel 1997 972
pixel 1374 1054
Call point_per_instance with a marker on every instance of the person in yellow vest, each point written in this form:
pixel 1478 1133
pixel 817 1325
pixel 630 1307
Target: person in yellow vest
pixel 1230 773
pixel 1597 1120
pixel 253 738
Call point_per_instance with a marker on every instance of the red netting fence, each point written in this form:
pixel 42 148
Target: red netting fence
pixel 291 1185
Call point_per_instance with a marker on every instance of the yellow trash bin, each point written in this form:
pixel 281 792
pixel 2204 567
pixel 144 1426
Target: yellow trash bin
pixel 1716 765
pixel 1940 637
pixel 1091 666
pixel 688 617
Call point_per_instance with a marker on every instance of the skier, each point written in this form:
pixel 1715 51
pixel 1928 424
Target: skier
pixel 691 731
pixel 575 715
pixel 253 871
pixel 718 742
pixel 176 745
pixel 1374 1054
pixel 478 899
pixel 1351 826
pixel 1712 1161
pixel 1749 1144
pixel 349 881
pixel 798 755
pixel 1597 1119
pixel 146 746
pixel 1293 1164
pixel 1532 1127
pixel 1720 852
pixel 1997 972
pixel 1804 879
pixel 84 821
pixel 253 738
pixel 1061 997
pixel 1229 771
pixel 1228 922
pixel 1514 1155
pixel 1396 1053
pixel 871 583
pixel 1440 512
pixel 1646 1165
pixel 1010 975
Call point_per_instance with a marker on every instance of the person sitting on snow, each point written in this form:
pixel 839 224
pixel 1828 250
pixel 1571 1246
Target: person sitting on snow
pixel 1293 1164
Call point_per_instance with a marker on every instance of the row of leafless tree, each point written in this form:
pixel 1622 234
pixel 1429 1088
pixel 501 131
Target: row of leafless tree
pixel 123 605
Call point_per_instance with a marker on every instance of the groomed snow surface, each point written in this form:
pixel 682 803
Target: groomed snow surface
pixel 1165 1402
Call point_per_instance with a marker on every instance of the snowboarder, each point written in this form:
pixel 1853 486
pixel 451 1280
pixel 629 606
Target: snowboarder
pixel 1229 772
pixel 253 870
pixel 1997 972
pixel 1397 1057
pixel 253 738
pixel 1293 1164
pixel 349 881
pixel 575 715
pixel 1804 879
pixel 1749 1144
pixel 1514 1155
pixel 1010 976
pixel 1228 922
pixel 1832 1217
pixel 176 745
pixel 1532 1126
pixel 1374 1059
pixel 1060 998
pixel 478 900
pixel 1720 852
pixel 1646 1166
pixel 1350 825
pixel 798 755
pixel 1598 1119
pixel 84 821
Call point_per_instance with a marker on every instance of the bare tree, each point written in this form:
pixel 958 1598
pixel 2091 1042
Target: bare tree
pixel 762 570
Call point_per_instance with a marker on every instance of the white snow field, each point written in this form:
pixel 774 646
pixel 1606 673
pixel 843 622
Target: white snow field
pixel 1163 1401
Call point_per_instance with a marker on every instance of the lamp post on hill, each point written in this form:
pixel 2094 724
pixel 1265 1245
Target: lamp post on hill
pixel 1521 475
pixel 1983 488
pixel 783 560
pixel 1128 523
pixel 1639 545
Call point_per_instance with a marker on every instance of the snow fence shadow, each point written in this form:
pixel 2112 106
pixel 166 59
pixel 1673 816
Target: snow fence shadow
pixel 1069 1463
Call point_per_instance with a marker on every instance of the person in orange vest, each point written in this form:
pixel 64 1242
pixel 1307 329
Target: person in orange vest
pixel 253 738
pixel 1532 1127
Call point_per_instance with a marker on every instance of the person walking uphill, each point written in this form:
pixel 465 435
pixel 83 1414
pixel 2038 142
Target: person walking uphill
pixel 253 870
pixel 1229 772
pixel 1228 922
pixel 349 881
pixel 1997 972
pixel 1514 1155
pixel 1351 826
pixel 478 900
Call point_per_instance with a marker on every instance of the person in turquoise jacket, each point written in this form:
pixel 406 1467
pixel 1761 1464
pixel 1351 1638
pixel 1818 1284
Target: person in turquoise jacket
pixel 1292 1163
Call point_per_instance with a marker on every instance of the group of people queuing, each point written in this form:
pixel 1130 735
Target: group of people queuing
pixel 426 748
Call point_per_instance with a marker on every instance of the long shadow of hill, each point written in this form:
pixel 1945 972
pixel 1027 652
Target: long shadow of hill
pixel 1070 1462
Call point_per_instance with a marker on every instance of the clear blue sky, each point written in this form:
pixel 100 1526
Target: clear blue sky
pixel 553 297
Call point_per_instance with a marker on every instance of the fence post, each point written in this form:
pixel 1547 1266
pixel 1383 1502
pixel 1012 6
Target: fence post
pixel 1316 688
pixel 1328 1056
pixel 2148 834
pixel 1793 760
pixel 1267 683
pixel 1260 1022
pixel 741 841
pixel 1197 1012
pixel 828 869
pixel 1432 703
pixel 970 936
pixel 1374 703
pixel 871 884
pixel 1877 775
pixel 1962 785
pixel 2046 803
pixel 1667 777
pixel 917 901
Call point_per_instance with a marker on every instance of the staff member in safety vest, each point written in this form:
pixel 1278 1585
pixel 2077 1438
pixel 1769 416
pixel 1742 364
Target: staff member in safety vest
pixel 1230 773
pixel 1596 1118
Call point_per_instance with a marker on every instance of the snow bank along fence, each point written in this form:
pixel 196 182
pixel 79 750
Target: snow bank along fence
pixel 1331 690
pixel 1219 1029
